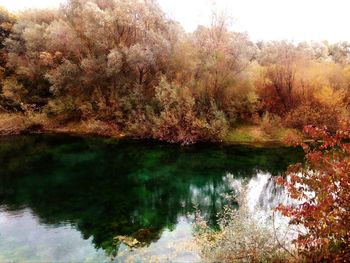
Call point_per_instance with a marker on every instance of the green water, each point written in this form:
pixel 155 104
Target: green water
pixel 66 198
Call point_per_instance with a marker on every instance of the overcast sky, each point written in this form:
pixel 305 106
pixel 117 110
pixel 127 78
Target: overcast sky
pixel 263 19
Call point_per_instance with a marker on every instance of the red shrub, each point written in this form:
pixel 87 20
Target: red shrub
pixel 322 188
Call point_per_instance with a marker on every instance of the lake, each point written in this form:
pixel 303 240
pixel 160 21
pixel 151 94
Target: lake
pixel 68 198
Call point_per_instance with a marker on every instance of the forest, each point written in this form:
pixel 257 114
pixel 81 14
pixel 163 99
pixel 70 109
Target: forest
pixel 124 68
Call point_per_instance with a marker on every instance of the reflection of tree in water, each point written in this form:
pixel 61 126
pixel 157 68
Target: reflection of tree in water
pixel 108 188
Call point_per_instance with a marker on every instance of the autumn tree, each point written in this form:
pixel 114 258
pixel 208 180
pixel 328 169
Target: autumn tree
pixel 223 57
pixel 339 52
pixel 7 21
pixel 108 60
pixel 277 85
pixel 97 49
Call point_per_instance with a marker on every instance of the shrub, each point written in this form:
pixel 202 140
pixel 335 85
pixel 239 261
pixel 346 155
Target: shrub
pixel 178 121
pixel 140 124
pixel 242 237
pixel 323 191
pixel 313 114
pixel 13 90
pixel 64 109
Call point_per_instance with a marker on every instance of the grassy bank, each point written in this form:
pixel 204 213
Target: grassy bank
pixel 256 134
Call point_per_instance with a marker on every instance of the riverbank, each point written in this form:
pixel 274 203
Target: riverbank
pixel 14 124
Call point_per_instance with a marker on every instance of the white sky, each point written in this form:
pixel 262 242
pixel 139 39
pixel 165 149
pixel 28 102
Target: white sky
pixel 263 19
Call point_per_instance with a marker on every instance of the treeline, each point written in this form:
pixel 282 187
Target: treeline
pixel 125 63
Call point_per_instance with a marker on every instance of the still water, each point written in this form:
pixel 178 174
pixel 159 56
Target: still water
pixel 67 199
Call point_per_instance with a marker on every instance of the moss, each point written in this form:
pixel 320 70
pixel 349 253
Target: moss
pixel 238 135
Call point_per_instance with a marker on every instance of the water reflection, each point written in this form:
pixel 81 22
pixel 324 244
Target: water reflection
pixel 23 237
pixel 72 196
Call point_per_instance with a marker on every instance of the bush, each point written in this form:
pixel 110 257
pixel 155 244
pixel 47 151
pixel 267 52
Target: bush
pixel 178 121
pixel 313 114
pixel 140 124
pixel 241 237
pixel 323 191
pixel 65 109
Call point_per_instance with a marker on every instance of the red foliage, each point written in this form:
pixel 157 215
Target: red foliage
pixel 322 188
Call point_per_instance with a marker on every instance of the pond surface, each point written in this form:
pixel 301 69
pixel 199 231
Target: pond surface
pixel 66 198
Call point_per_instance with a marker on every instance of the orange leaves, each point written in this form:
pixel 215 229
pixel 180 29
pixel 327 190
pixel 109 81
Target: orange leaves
pixel 279 180
pixel 324 188
pixel 46 58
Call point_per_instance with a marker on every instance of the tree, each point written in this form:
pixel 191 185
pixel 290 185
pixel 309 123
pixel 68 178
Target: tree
pixel 223 55
pixel 277 86
pixel 178 121
pixel 90 45
pixel 7 21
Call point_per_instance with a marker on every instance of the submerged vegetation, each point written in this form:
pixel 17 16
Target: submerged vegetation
pixel 122 67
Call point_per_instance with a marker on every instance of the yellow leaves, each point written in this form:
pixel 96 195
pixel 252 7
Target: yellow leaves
pixel 346 70
pixel 252 97
pixel 129 241
pixel 12 89
pixel 6 14
pixel 46 58
pixel 328 96
pixel 2 73
pixel 6 26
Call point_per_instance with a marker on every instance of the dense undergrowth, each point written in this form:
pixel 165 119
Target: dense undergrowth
pixel 124 67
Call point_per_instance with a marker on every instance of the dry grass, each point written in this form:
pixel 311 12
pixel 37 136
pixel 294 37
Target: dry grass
pixel 86 127
pixel 92 126
pixel 17 123
pixel 12 124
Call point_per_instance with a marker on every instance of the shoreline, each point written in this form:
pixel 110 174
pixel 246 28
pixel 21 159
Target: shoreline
pixel 245 134
pixel 121 136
